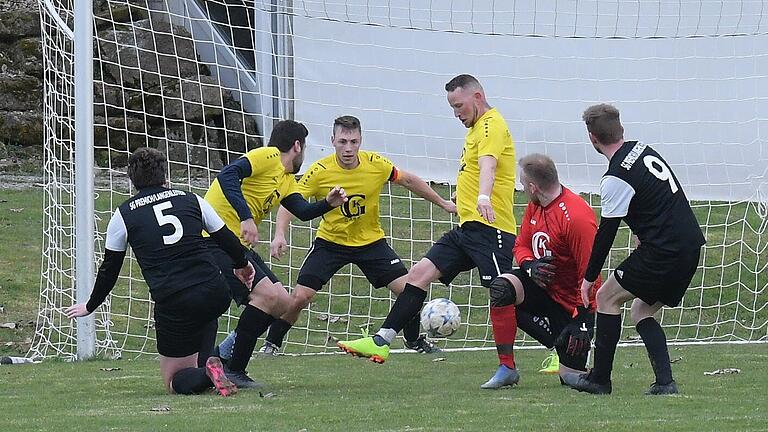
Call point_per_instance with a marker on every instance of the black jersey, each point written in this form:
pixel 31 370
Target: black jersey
pixel 164 228
pixel 641 188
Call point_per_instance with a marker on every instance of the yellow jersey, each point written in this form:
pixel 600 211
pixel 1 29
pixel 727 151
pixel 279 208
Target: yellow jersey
pixel 356 222
pixel 489 136
pixel 262 190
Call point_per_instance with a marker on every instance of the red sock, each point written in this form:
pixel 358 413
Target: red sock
pixel 504 331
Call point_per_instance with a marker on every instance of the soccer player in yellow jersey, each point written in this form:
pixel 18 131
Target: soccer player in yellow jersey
pixel 242 194
pixel 484 238
pixel 351 233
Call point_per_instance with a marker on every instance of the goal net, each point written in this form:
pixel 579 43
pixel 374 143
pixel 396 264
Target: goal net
pixel 204 80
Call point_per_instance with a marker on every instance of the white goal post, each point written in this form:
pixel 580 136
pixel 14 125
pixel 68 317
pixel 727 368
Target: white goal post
pixel 204 80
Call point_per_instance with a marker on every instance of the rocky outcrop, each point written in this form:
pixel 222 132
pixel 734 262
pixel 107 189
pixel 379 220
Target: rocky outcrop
pixel 149 88
pixel 21 74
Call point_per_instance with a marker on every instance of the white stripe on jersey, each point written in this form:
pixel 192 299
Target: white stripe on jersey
pixel 117 233
pixel 615 196
pixel 211 220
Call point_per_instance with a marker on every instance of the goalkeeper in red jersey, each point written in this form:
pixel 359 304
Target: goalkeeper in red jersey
pixel 552 249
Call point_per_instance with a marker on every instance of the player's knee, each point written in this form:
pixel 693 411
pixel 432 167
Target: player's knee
pixel 639 311
pixel 502 292
pixel 301 299
pixel 604 298
pixel 279 298
pixel 423 273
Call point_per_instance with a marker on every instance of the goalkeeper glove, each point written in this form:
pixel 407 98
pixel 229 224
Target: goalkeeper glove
pixel 577 335
pixel 541 270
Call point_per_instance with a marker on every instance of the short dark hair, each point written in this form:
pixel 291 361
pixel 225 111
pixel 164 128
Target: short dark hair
pixel 147 167
pixel 285 133
pixel 539 169
pixel 604 123
pixel 463 81
pixel 347 122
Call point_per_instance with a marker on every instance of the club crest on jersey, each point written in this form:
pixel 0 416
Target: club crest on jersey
pixel 268 203
pixel 353 207
pixel 539 243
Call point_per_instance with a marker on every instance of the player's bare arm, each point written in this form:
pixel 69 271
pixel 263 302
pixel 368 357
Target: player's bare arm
pixel 249 231
pixel 279 244
pixel 418 186
pixel 487 176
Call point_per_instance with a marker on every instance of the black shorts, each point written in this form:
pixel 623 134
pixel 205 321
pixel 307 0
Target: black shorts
pixel 378 262
pixel 473 245
pixel 538 303
pixel 654 275
pixel 182 318
pixel 238 291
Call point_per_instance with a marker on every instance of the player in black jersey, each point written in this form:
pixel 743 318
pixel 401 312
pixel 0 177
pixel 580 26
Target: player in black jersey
pixel 641 189
pixel 164 228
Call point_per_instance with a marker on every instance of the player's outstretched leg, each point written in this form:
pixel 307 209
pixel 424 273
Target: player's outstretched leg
pixel 376 348
pixel 215 372
pixel 366 347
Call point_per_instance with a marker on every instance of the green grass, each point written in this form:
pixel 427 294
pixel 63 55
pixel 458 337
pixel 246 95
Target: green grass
pixel 408 393
pixel 20 225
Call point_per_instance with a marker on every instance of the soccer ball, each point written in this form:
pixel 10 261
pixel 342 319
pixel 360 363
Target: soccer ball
pixel 440 318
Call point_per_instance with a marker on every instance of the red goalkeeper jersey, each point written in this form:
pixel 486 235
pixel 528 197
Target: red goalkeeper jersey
pixel 566 230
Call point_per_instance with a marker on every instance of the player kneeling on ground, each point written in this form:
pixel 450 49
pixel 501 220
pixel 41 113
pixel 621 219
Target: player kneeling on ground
pixel 163 227
pixel 552 249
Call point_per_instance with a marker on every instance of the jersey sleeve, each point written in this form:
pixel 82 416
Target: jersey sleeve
pixel 307 185
pixel 580 236
pixel 117 233
pixel 522 250
pixel 492 138
pixel 259 160
pixel 615 196
pixel 211 220
pixel 384 166
pixel 291 186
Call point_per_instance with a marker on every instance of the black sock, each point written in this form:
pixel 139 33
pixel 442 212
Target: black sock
pixel 406 307
pixel 277 331
pixel 656 344
pixel 253 322
pixel 208 340
pixel 191 381
pixel 411 330
pixel 607 336
pixel 536 327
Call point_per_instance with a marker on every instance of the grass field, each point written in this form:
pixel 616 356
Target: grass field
pixel 408 393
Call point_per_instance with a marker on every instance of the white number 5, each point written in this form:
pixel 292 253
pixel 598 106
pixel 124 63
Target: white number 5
pixel 168 219
pixel 660 171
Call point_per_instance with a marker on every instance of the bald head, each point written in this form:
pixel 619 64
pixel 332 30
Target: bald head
pixel 540 170
pixel 467 98
pixel 465 81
